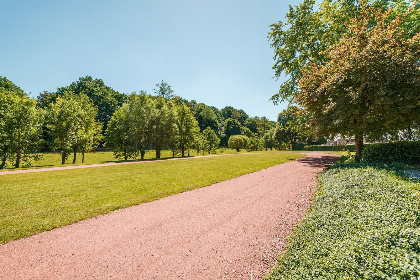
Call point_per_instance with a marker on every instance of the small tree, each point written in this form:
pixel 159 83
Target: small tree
pixel 162 124
pixel 139 117
pixel 370 86
pixel 210 140
pixel 72 124
pixel 164 90
pixel 238 142
pixel 118 135
pixel 20 126
pixel 187 127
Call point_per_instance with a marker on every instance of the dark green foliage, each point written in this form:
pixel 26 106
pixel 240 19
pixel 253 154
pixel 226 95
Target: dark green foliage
pixel 402 151
pixel 365 224
pixel 351 148
pixel 104 98
pixel 298 147
pixel 206 117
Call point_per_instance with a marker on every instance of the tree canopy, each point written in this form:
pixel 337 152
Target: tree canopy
pixel 104 97
pixel 308 31
pixel 371 83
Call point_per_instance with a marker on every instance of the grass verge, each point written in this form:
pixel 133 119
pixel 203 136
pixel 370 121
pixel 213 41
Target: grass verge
pixel 365 224
pixel 54 159
pixel 36 202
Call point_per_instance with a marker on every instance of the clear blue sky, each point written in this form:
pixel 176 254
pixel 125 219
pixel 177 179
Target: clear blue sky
pixel 215 52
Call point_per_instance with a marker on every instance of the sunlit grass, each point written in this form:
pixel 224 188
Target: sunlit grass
pixel 54 159
pixel 36 202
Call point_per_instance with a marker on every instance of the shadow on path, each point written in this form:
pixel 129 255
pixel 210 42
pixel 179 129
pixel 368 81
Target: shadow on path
pixel 320 162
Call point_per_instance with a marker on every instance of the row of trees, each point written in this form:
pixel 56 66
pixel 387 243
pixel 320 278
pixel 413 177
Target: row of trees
pixel 70 123
pixel 77 119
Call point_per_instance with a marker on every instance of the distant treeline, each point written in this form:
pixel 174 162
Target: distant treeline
pixel 86 114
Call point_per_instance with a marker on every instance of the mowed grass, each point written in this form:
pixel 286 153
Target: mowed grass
pixel 36 202
pixel 54 159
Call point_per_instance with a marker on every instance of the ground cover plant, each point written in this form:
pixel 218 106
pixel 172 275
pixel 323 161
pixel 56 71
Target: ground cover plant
pixel 35 202
pixel 365 224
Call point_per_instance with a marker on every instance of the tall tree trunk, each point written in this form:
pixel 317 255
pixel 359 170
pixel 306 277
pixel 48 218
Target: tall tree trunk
pixel 74 155
pixel 18 156
pixel 142 153
pixel 125 155
pixel 83 157
pixel 63 157
pixel 183 151
pixel 157 153
pixel 359 146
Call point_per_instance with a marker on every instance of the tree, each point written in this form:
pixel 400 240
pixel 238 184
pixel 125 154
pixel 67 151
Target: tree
pixel 206 117
pixel 269 139
pixel 162 124
pixel 238 142
pixel 187 127
pixel 210 140
pixel 251 124
pixel 104 97
pixel 72 124
pixel 231 113
pixel 89 132
pixel 10 86
pixel 292 125
pixel 232 127
pixel 163 90
pixel 139 115
pixel 119 136
pixel 255 144
pixel 309 31
pixel 370 85
pixel 20 125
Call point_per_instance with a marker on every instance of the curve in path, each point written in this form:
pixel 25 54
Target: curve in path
pixel 230 230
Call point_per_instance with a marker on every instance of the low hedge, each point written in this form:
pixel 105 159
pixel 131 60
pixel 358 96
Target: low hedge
pixel 365 224
pixel 351 148
pixel 403 151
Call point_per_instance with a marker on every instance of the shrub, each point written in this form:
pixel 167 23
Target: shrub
pixel 351 148
pixel 364 225
pixel 298 147
pixel 238 142
pixel 403 151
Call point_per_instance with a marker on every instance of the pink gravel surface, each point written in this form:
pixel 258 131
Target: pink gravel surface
pixel 230 230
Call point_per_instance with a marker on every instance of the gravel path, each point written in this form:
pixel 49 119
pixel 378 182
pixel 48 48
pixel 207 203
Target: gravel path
pixel 231 230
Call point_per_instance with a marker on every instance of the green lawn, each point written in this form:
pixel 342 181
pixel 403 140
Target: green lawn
pixel 54 159
pixel 36 202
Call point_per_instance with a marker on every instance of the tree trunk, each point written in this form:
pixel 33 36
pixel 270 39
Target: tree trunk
pixel 359 146
pixel 173 153
pixel 182 151
pixel 142 153
pixel 74 155
pixel 157 153
pixel 18 156
pixel 237 150
pixel 83 157
pixel 63 157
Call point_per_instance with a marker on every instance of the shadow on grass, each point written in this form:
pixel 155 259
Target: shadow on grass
pixel 147 159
